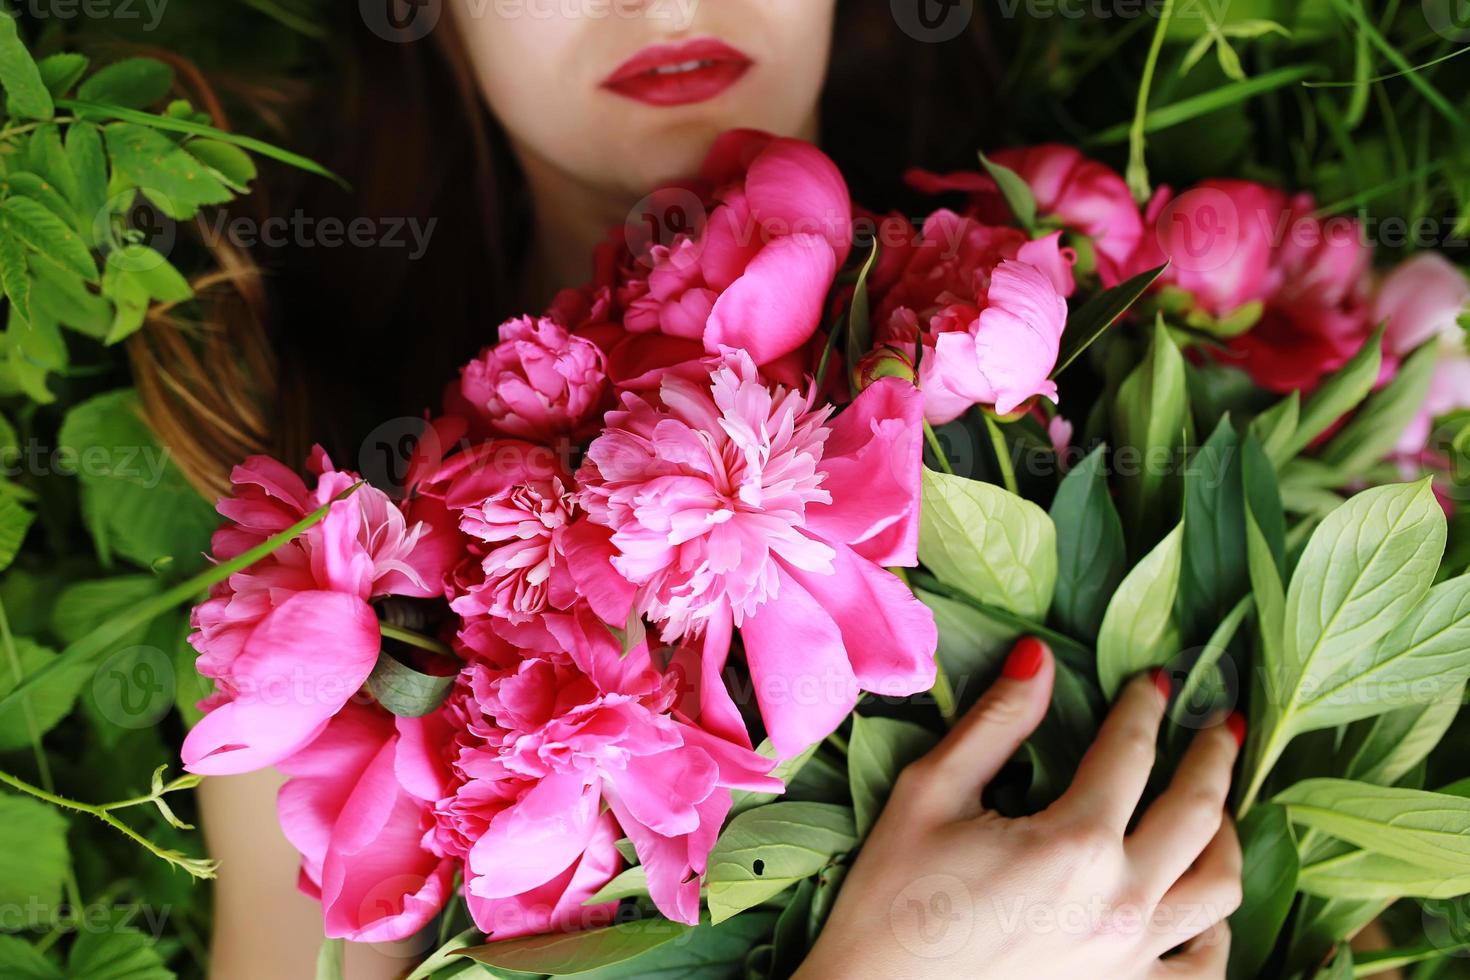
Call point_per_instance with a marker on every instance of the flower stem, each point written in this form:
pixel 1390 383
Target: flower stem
pixel 414 639
pixel 1137 173
pixel 937 449
pixel 1002 453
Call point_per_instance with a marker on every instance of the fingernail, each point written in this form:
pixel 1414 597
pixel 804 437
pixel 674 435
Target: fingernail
pixel 1236 724
pixel 1025 659
pixel 1162 682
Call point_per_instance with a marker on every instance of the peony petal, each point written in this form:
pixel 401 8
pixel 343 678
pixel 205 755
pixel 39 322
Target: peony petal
pixel 803 681
pixel 530 843
pixel 776 306
pixel 296 670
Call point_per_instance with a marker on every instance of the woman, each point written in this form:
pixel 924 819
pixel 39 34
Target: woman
pixel 591 103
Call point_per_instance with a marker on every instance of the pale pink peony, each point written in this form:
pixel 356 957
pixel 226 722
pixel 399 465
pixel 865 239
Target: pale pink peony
pixel 291 638
pixel 1421 301
pixel 360 833
pixel 530 761
pixel 987 303
pixel 1071 190
pixel 538 382
pixel 731 502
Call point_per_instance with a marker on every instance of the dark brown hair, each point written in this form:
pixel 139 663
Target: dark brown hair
pixel 304 344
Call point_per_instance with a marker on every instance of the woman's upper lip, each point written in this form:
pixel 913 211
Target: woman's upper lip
pixel 661 58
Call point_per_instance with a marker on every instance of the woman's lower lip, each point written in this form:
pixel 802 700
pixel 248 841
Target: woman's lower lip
pixel 681 87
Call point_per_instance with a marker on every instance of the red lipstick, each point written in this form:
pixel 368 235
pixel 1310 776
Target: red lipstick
pixel 679 74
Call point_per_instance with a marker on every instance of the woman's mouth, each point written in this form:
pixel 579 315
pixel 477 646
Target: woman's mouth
pixel 679 74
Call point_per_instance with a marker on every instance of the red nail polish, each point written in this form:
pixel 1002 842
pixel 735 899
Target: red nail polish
pixel 1236 724
pixel 1025 659
pixel 1162 682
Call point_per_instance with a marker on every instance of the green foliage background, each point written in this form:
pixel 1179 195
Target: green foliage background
pixel 1321 95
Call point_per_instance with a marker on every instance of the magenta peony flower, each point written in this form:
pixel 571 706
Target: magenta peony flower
pixel 1071 190
pixel 731 502
pixel 539 382
pixel 360 832
pixel 291 638
pixel 987 303
pixel 536 765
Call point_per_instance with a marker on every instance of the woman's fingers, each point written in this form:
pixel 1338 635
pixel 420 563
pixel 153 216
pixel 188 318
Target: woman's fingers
pixel 1204 958
pixel 1206 895
pixel 991 732
pixel 1114 772
pixel 1182 821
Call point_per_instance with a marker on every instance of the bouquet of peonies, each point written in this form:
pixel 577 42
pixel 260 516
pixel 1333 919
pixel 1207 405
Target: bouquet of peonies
pixel 690 565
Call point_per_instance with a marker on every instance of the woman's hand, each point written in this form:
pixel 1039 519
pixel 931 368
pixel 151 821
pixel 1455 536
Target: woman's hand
pixel 945 888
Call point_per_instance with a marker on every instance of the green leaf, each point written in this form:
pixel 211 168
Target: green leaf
pixel 89 164
pixel 878 750
pixel 49 702
pixel 25 91
pixel 859 324
pixel 1364 569
pixel 1063 737
pixel 1091 555
pixel 33 853
pixel 709 952
pixel 1362 875
pixel 129 298
pixel 19 960
pixel 232 164
pixel 1431 830
pixel 50 162
pixel 116 954
pixel 991 544
pixel 1014 191
pixel 1153 424
pixel 1382 750
pixel 133 83
pixel 14 276
pixel 136 503
pixel 47 235
pixel 167 175
pixel 1213 100
pixel 1276 428
pixel 1212 574
pixel 1335 397
pixel 560 954
pixel 64 298
pixel 61 71
pixel 767 850
pixel 785 770
pixel 1269 884
pixel 1086 324
pixel 404 691
pixel 1138 630
pixel 445 956
pixel 629 883
pixel 1375 430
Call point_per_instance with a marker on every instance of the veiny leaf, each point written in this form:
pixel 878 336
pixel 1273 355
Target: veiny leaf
pixel 1086 324
pixel 61 71
pixel 232 164
pixel 1381 750
pixel 877 752
pixel 991 544
pixel 50 701
pixel 89 164
pixel 1014 191
pixel 1376 428
pixel 1335 397
pixel 164 171
pixel 47 235
pixel 25 91
pixel 1269 883
pixel 134 83
pixel 1212 574
pixel 14 276
pixel 1362 875
pixel 767 850
pixel 19 960
pixel 708 952
pixel 33 853
pixel 1431 830
pixel 560 954
pixel 1276 428
pixel 116 954
pixel 1091 555
pixel 629 883
pixel 406 692
pixel 1138 629
pixel 785 770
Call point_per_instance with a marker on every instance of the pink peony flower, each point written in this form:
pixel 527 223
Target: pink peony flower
pixel 1072 191
pixel 731 502
pixel 360 832
pixel 537 765
pixel 987 303
pixel 760 237
pixel 1421 301
pixel 291 638
pixel 538 383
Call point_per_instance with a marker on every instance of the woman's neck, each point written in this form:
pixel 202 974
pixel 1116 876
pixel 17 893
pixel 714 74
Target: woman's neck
pixel 570 220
